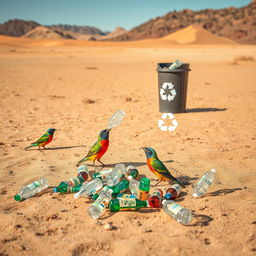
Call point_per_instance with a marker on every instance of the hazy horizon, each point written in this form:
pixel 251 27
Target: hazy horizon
pixel 101 14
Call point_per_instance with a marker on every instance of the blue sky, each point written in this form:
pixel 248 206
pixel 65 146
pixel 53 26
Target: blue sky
pixel 104 14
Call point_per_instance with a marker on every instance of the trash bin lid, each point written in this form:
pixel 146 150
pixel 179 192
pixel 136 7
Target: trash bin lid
pixel 164 67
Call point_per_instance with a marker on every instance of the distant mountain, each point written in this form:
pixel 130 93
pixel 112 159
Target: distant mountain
pixel 86 30
pixel 238 24
pixel 17 27
pixel 41 32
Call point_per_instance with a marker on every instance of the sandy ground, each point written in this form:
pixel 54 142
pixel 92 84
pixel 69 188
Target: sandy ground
pixel 50 87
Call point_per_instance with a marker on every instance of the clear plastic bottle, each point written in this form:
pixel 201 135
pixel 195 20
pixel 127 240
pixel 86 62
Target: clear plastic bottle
pixel 131 171
pixel 102 174
pixel 204 183
pixel 176 64
pixel 178 212
pixel 133 186
pixel 116 119
pixel 97 208
pixel 89 188
pixel 31 189
pixel 173 192
pixel 115 176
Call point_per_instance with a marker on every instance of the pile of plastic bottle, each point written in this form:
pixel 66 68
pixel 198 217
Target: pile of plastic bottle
pixel 120 189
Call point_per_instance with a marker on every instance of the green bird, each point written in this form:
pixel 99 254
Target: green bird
pixel 43 140
pixel 157 167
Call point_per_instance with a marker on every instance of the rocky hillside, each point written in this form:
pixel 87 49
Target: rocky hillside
pixel 238 24
pixel 17 27
pixel 21 27
pixel 86 30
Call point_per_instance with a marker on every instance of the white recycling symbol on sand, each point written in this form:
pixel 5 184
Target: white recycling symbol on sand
pixel 172 93
pixel 166 128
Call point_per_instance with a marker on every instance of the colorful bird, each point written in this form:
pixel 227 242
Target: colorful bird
pixel 43 140
pixel 157 167
pixel 98 149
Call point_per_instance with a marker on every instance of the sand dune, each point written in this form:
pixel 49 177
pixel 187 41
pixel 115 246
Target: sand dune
pixel 194 34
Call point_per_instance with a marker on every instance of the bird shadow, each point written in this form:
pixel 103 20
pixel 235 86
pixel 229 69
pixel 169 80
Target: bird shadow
pixel 196 110
pixel 222 192
pixel 200 220
pixel 186 180
pixel 55 148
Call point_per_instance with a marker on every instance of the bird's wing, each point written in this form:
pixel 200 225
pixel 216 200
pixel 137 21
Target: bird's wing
pixel 159 166
pixel 94 149
pixel 161 169
pixel 43 138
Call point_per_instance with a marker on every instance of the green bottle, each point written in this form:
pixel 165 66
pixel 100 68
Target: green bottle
pixel 64 186
pixel 121 186
pixel 131 171
pixel 102 174
pixel 126 204
pixel 68 189
pixel 144 188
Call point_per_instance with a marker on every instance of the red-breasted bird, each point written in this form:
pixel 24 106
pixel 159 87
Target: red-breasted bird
pixel 43 140
pixel 98 149
pixel 157 167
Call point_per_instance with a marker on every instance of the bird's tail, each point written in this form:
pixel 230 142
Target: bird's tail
pixel 82 160
pixel 32 145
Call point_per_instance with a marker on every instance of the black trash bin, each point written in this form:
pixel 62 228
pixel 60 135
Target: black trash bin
pixel 172 88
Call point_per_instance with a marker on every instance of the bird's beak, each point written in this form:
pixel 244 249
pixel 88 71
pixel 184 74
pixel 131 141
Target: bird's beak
pixel 144 149
pixel 108 129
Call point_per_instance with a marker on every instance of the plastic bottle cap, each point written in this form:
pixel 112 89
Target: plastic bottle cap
pixel 76 195
pixel 164 201
pixel 130 178
pixel 17 197
pixel 55 190
pixel 213 170
pixel 194 195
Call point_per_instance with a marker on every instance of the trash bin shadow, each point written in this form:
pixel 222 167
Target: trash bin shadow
pixel 181 196
pixel 135 164
pixel 200 220
pixel 197 110
pixel 222 192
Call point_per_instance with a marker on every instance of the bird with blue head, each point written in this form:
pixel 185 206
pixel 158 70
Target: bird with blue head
pixel 43 140
pixel 98 149
pixel 157 167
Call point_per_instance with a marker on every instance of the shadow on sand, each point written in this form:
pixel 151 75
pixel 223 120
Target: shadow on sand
pixel 201 220
pixel 222 192
pixel 195 110
pixel 55 148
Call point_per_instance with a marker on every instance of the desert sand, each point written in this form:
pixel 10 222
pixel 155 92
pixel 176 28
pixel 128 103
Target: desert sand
pixel 75 87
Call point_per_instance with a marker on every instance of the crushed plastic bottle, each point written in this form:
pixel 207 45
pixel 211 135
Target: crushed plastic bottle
pixel 144 188
pixel 31 189
pixel 175 65
pixel 97 208
pixel 134 186
pixel 89 188
pixel 116 119
pixel 155 199
pixel 173 192
pixel 204 183
pixel 126 204
pixel 178 212
pixel 115 176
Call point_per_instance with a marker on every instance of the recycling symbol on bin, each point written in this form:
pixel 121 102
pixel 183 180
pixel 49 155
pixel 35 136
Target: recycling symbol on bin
pixel 163 127
pixel 171 95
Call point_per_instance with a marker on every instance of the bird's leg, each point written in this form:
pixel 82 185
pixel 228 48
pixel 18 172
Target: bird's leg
pixel 95 167
pixel 158 182
pixel 40 149
pixel 44 147
pixel 101 162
